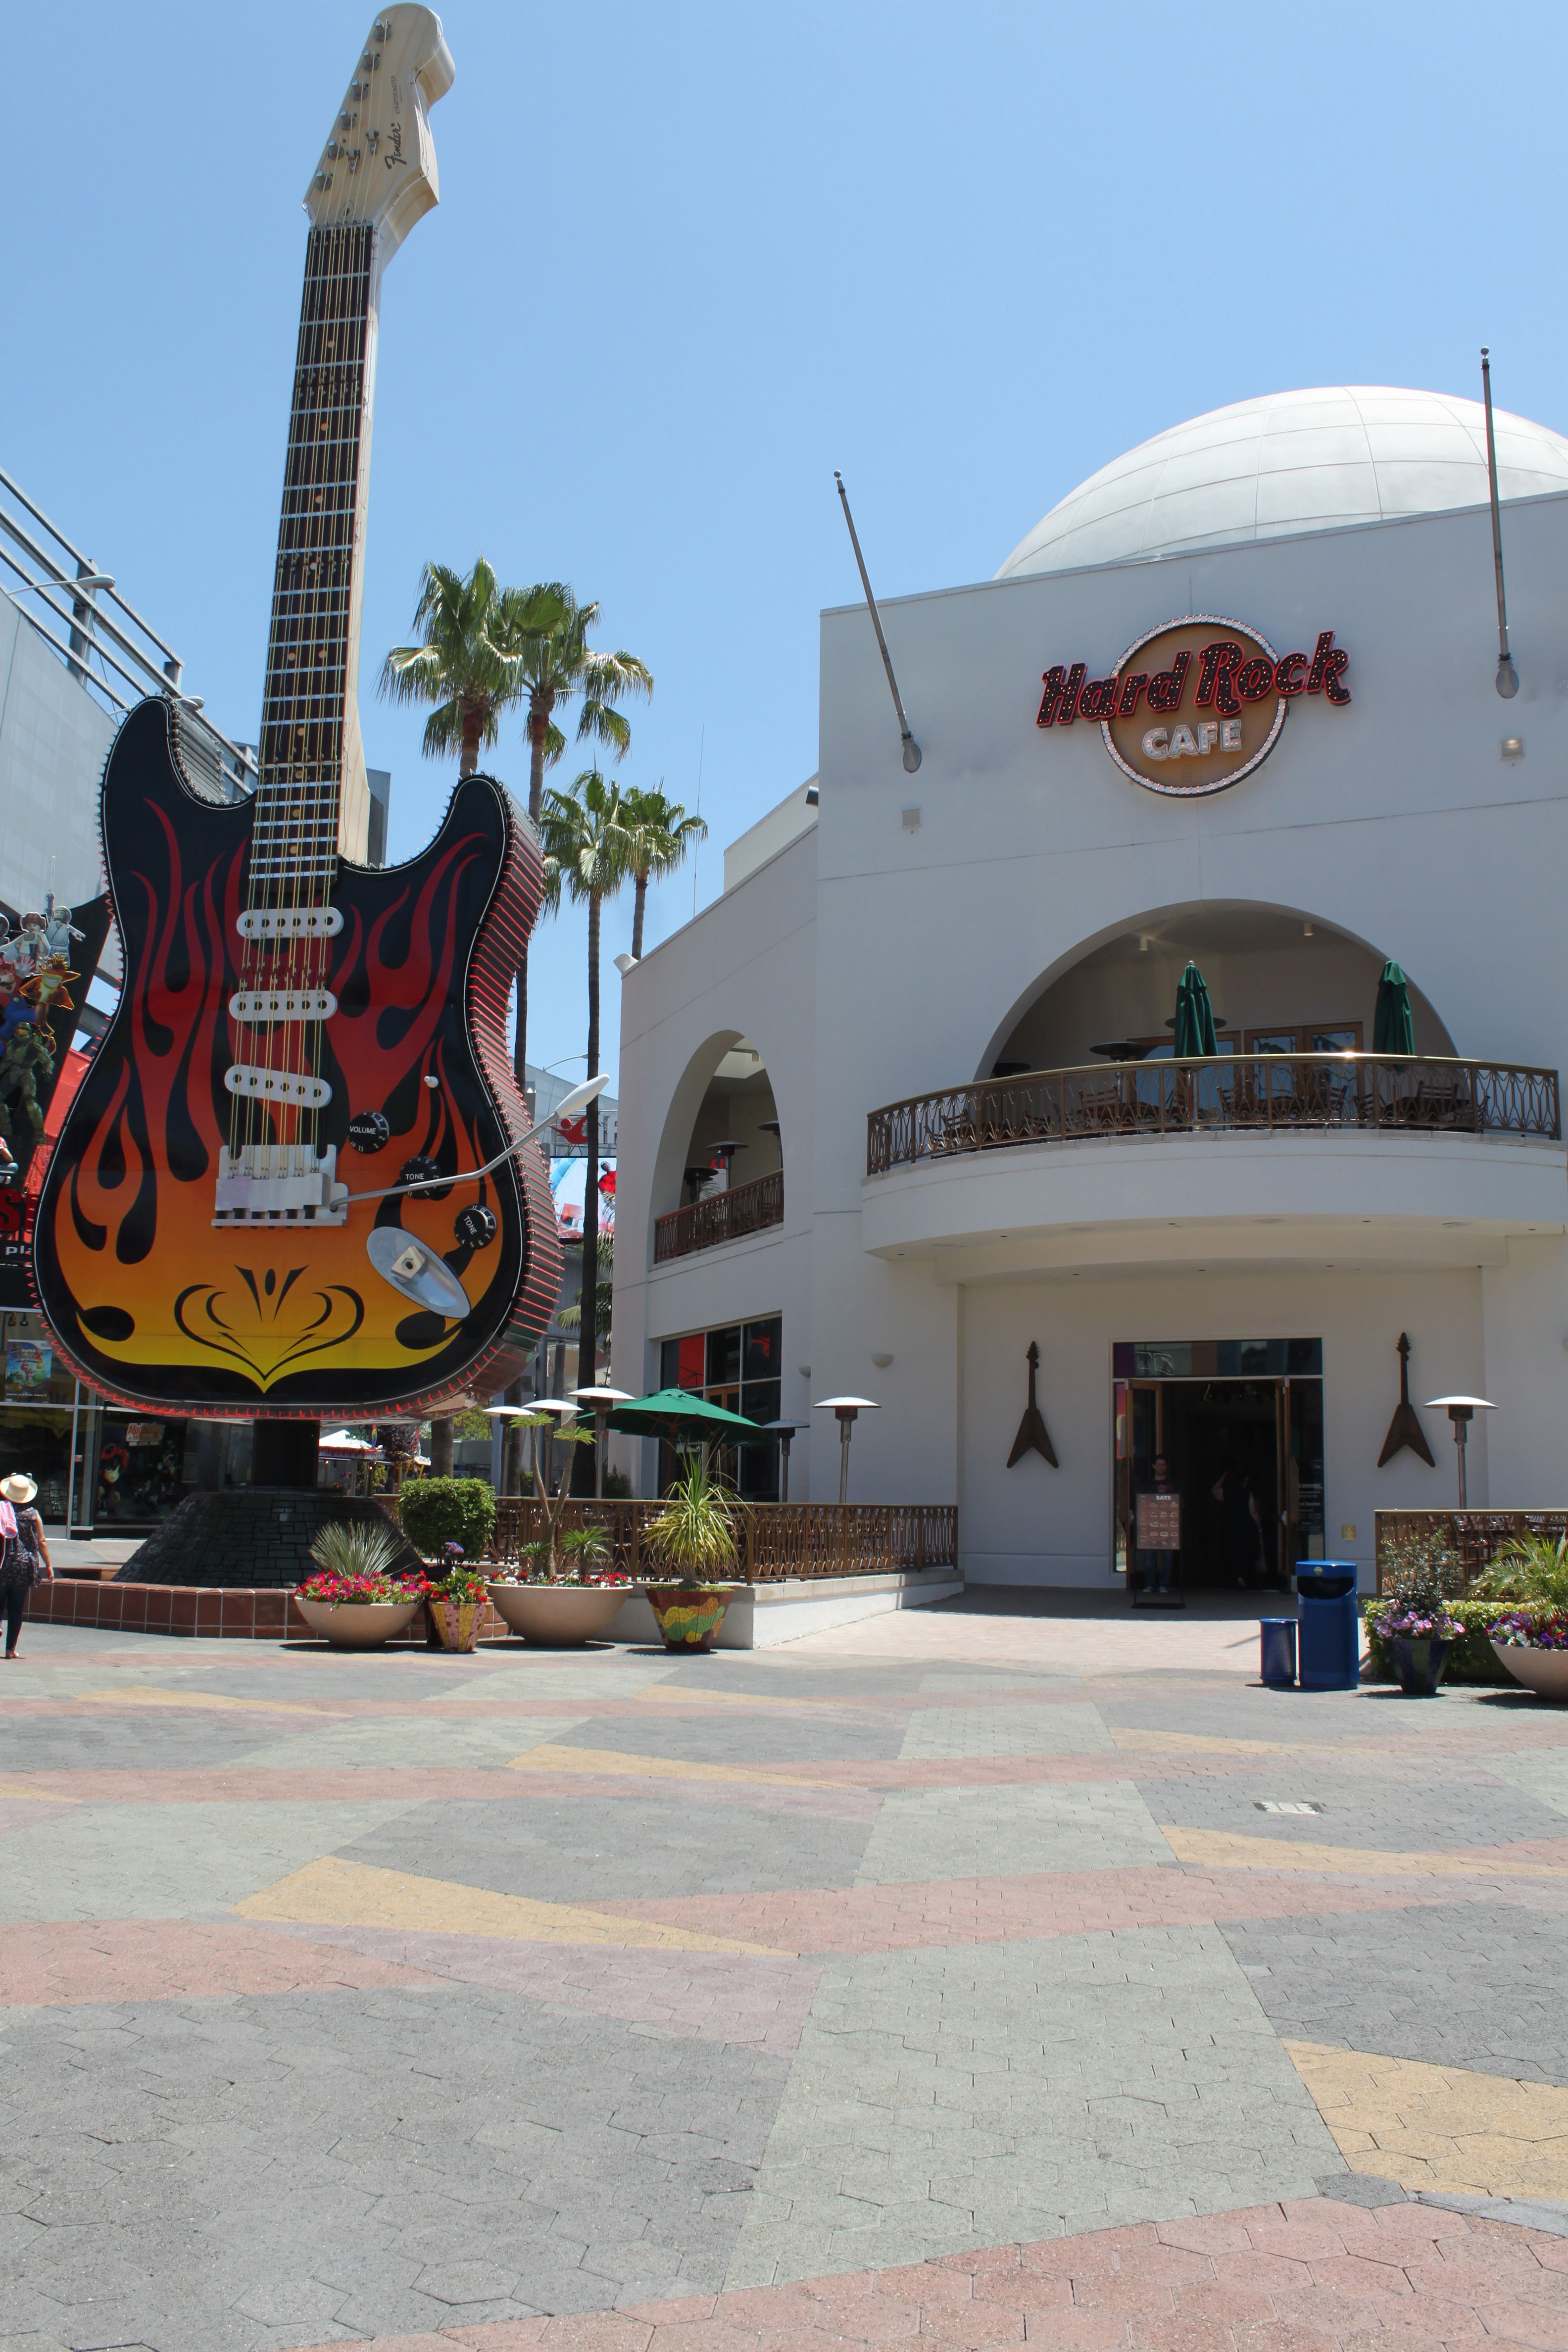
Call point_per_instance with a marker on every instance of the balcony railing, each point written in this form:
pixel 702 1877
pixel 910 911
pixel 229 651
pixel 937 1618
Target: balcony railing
pixel 722 1217
pixel 776 1540
pixel 1277 1093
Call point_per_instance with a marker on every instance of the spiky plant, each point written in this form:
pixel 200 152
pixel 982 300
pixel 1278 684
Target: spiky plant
pixel 695 1532
pixel 585 1550
pixel 356 1547
pixel 1532 1568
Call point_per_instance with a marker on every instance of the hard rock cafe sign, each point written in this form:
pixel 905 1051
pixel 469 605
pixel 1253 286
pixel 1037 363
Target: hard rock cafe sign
pixel 1196 703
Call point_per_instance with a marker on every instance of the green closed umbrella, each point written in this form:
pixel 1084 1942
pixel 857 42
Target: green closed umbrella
pixel 1194 1017
pixel 677 1414
pixel 1394 1031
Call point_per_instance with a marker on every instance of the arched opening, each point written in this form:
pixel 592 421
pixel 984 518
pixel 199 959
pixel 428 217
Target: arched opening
pixel 720 1170
pixel 1280 981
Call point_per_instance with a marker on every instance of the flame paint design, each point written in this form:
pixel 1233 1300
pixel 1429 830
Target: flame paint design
pixel 146 1298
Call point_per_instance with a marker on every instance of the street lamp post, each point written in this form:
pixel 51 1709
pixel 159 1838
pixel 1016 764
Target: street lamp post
pixel 1459 1410
pixel 846 1409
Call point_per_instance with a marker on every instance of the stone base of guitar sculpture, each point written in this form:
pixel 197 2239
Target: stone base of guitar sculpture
pixel 248 1535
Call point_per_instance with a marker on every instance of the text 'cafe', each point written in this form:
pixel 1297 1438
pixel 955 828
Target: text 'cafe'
pixel 1106 1100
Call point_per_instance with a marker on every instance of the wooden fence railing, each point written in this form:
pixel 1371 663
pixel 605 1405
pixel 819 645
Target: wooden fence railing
pixel 722 1217
pixel 1476 1536
pixel 777 1540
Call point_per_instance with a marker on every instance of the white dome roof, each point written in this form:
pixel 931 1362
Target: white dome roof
pixel 1292 461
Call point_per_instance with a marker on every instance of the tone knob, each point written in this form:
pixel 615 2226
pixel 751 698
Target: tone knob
pixel 419 1170
pixel 475 1228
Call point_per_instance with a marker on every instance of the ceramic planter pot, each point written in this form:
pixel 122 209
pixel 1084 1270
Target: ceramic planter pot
pixel 1545 1672
pixel 557 1615
pixel 1419 1661
pixel 689 1615
pixel 357 1624
pixel 457 1623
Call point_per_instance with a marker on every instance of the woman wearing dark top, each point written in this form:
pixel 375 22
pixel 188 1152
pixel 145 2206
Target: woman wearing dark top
pixel 25 1561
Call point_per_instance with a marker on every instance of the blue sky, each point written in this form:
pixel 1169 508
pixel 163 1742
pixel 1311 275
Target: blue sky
pixel 688 258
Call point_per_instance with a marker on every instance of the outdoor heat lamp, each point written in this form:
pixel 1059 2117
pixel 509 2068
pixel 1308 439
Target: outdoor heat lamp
pixel 784 1431
pixel 1459 1410
pixel 601 1402
pixel 846 1409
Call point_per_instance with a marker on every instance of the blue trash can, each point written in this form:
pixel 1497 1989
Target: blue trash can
pixel 1330 1624
pixel 1279 1647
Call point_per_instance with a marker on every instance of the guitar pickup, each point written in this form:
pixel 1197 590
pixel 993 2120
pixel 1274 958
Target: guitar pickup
pixel 278 1087
pixel 279 1184
pixel 257 1005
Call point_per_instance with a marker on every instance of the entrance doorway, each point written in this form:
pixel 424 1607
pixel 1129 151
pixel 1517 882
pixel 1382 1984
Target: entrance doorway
pixel 1219 1464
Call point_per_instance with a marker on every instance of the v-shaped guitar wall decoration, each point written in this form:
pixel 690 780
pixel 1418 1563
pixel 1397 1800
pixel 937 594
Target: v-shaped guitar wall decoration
pixel 1033 1436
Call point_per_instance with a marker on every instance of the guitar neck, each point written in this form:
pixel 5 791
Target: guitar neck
pixel 312 801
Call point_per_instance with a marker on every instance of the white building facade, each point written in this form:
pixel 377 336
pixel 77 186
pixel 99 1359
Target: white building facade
pixel 1216 1260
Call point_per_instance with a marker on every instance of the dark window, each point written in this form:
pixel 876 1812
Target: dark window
pixel 724 1355
pixel 763 1343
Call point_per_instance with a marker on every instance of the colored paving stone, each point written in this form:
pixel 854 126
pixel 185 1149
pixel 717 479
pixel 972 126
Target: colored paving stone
pixel 938 1980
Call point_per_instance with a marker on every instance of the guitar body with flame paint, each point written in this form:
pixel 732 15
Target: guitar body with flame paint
pixel 152 1302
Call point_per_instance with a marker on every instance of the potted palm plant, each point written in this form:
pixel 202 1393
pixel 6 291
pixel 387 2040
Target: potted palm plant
pixel 567 1599
pixel 567 1591
pixel 1531 1638
pixel 355 1598
pixel 695 1536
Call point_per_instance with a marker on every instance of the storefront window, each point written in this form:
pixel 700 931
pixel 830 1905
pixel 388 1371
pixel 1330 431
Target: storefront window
pixel 737 1367
pixel 36 1411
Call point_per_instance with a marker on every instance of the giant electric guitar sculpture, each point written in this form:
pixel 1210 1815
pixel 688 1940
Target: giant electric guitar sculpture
pixel 225 1224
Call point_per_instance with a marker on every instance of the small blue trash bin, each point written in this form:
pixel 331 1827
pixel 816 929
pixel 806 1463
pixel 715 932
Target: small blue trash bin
pixel 1329 1621
pixel 1279 1649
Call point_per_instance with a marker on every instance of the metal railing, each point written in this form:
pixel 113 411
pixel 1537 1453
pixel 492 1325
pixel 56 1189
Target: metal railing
pixel 1272 1093
pixel 777 1540
pixel 722 1217
pixel 113 653
pixel 1405 1538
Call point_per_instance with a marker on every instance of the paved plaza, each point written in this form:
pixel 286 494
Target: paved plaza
pixel 972 1977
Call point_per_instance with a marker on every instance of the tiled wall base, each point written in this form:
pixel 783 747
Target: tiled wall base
pixel 245 1614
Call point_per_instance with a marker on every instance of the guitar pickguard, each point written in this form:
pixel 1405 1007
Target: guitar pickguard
pixel 146 1298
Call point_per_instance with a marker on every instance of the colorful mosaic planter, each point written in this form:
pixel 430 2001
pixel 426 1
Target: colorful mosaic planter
pixel 457 1623
pixel 689 1615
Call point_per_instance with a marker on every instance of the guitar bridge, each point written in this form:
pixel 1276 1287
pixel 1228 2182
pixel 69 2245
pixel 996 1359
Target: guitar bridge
pixel 279 1184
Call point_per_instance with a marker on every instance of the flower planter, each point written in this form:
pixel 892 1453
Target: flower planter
pixel 457 1623
pixel 1418 1660
pixel 1545 1672
pixel 357 1624
pixel 689 1615
pixel 557 1615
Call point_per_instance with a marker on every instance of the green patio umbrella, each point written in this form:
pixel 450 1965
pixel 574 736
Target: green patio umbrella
pixel 1394 1031
pixel 676 1414
pixel 1194 1016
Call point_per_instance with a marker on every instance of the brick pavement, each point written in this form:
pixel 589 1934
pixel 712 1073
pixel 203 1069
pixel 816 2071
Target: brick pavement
pixel 936 1980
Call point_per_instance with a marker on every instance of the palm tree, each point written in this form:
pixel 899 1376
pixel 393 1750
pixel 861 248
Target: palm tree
pixel 462 664
pixel 587 845
pixel 548 630
pixel 662 834
pixel 462 668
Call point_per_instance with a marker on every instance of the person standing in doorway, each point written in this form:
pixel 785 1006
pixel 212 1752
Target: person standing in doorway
pixel 25 1559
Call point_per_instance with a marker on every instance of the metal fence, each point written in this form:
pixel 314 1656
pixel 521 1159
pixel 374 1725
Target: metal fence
pixel 722 1217
pixel 776 1540
pixel 1275 1093
pixel 113 653
pixel 1476 1536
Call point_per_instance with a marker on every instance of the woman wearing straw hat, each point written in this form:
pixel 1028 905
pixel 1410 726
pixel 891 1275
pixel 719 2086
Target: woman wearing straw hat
pixel 25 1560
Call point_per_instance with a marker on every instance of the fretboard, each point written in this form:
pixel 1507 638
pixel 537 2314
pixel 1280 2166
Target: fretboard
pixel 311 768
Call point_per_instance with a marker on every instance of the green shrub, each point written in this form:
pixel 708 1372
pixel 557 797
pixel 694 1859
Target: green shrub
pixel 1469 1660
pixel 436 1511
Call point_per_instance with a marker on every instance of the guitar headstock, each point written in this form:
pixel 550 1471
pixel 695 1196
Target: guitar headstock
pixel 379 162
